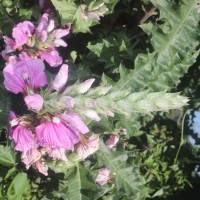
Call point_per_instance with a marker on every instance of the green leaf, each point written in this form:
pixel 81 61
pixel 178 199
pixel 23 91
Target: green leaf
pixel 126 177
pixel 158 193
pixel 174 42
pixel 80 187
pixel 66 9
pixel 71 13
pixel 7 156
pixel 18 187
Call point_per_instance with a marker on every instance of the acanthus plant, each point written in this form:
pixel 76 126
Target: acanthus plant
pixel 56 128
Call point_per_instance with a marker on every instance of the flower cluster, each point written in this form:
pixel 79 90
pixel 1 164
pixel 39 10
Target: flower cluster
pixel 55 126
pixel 29 42
pixel 46 132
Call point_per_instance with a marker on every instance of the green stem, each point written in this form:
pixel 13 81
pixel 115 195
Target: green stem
pixel 182 138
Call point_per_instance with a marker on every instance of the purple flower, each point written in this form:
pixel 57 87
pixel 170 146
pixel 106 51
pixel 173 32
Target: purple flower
pixel 95 13
pixel 43 23
pixel 91 114
pixel 24 75
pixel 23 137
pixel 10 44
pixel 75 121
pixel 30 157
pixel 38 42
pixel 85 86
pixel 52 57
pixel 41 168
pixel 103 177
pixel 57 134
pixel 88 146
pixel 112 141
pixel 57 153
pixel 22 32
pixel 34 102
pixel 61 78
pixel 12 116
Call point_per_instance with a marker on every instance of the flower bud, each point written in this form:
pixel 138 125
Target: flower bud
pixel 51 25
pixel 88 146
pixel 91 114
pixel 85 86
pixel 103 177
pixel 34 102
pixel 112 141
pixel 61 78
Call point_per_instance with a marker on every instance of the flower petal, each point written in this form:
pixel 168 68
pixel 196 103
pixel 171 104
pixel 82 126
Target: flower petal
pixel 75 121
pixel 56 135
pixel 51 57
pixel 23 138
pixel 61 78
pixel 22 32
pixel 103 177
pixel 34 102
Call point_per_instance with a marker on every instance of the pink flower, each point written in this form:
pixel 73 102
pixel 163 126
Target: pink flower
pixel 75 121
pixel 38 42
pixel 30 157
pixel 24 75
pixel 91 114
pixel 57 134
pixel 22 32
pixel 61 78
pixel 12 116
pixel 95 13
pixel 10 44
pixel 112 141
pixel 34 157
pixel 41 168
pixel 103 177
pixel 52 57
pixel 34 102
pixel 88 146
pixel 85 86
pixel 23 137
pixel 57 153
pixel 43 24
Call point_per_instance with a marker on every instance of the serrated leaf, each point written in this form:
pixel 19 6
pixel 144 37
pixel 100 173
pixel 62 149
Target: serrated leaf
pixel 72 13
pixel 174 42
pixel 7 156
pixel 126 177
pixel 79 182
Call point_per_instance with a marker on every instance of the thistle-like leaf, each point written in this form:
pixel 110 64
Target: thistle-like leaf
pixel 174 42
pixel 80 187
pixel 126 177
pixel 75 14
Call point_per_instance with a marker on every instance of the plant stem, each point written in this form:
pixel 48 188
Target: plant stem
pixel 182 138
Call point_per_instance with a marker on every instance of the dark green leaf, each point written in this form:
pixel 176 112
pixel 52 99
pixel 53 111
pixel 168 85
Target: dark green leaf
pixel 7 156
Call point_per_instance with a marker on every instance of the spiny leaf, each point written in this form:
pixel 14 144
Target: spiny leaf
pixel 74 14
pixel 78 182
pixel 126 177
pixel 174 42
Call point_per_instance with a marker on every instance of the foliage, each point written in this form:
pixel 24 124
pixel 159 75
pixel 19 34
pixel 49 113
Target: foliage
pixel 143 49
